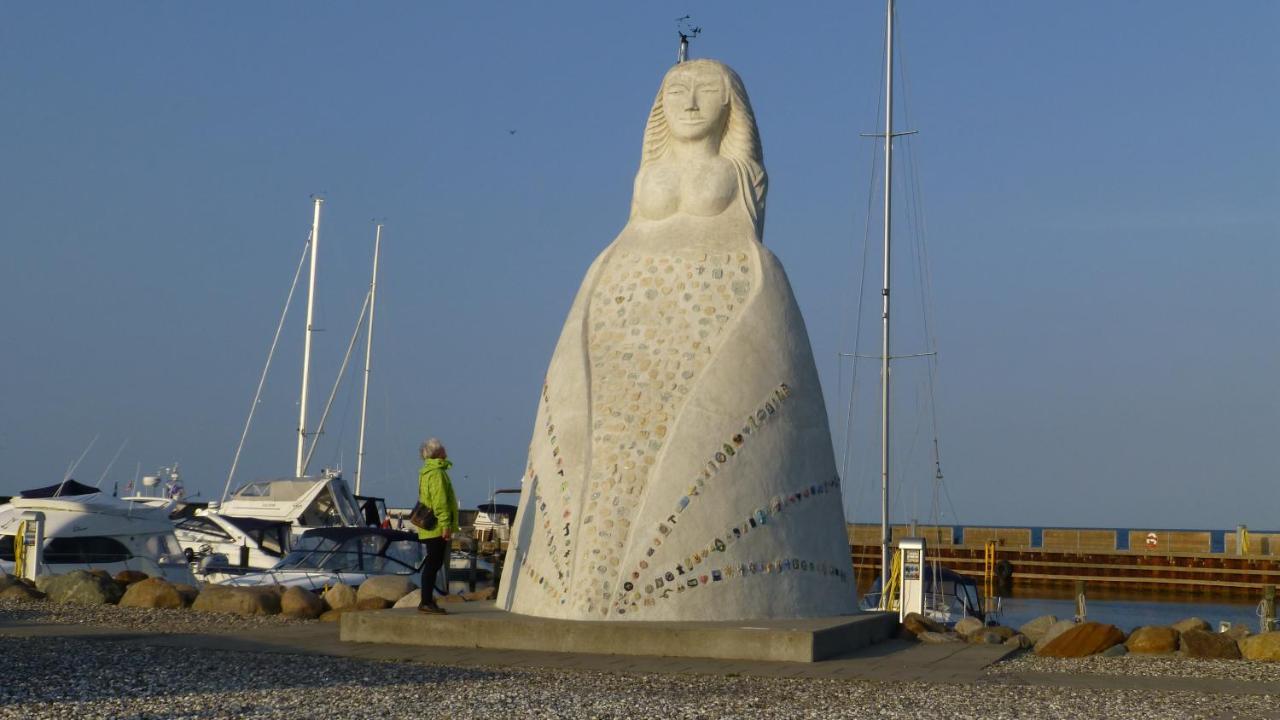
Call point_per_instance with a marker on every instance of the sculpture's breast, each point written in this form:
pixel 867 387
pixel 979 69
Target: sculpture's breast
pixel 707 189
pixel 704 189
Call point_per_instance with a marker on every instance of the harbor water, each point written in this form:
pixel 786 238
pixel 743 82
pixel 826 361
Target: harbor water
pixel 1128 613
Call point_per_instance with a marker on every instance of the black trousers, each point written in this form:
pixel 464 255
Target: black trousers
pixel 437 548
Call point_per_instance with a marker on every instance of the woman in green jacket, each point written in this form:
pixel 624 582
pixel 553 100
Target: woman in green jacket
pixel 435 490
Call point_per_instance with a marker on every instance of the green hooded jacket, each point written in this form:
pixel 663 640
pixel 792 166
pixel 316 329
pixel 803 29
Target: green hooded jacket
pixel 435 490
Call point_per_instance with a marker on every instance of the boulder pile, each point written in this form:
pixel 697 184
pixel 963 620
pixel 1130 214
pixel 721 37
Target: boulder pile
pixel 1050 637
pixel 130 588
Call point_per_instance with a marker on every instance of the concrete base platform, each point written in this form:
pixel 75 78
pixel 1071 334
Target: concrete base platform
pixel 482 625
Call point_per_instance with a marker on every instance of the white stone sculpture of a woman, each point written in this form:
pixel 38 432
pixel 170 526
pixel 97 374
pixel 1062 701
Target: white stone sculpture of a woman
pixel 681 464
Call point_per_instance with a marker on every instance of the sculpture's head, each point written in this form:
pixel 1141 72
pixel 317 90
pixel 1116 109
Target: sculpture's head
pixel 702 98
pixel 695 100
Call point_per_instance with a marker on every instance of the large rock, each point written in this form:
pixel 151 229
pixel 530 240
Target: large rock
pixel 301 603
pixel 334 615
pixel 128 577
pixel 1205 644
pixel 1191 623
pixel 1263 646
pixel 412 600
pixel 488 593
pixel 373 603
pixel 968 626
pixel 1035 629
pixel 1020 641
pixel 340 597
pixel 1085 639
pixel 993 635
pixel 237 600
pixel 1051 632
pixel 915 623
pixel 938 638
pixel 189 593
pixel 1152 640
pixel 21 592
pixel 388 587
pixel 80 587
pixel 153 592
pixel 1237 632
pixel 986 637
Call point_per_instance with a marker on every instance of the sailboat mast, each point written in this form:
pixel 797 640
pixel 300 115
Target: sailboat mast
pixel 300 468
pixel 368 352
pixel 885 534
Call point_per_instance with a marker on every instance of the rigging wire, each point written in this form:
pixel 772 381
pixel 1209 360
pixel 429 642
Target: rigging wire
pixel 339 449
pixel 114 458
pixel 923 268
pixel 257 395
pixel 862 281
pixel 364 308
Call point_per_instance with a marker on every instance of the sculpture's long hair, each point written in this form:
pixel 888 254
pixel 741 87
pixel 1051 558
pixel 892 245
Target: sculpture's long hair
pixel 740 143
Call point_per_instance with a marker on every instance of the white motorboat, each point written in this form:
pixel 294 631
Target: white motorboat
pixel 326 556
pixel 303 502
pixel 222 546
pixel 83 529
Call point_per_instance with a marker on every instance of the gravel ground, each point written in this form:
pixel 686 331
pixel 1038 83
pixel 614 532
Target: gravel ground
pixel 61 678
pixel 164 621
pixel 1147 665
pixel 88 678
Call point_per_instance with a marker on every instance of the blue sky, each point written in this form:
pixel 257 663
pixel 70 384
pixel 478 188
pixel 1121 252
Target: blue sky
pixel 1100 184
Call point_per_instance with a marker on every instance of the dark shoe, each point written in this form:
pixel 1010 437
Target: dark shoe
pixel 432 610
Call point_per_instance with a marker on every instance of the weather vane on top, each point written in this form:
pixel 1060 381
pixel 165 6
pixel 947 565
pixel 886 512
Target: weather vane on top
pixel 686 30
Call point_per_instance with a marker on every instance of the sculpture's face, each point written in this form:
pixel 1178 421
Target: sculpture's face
pixel 695 100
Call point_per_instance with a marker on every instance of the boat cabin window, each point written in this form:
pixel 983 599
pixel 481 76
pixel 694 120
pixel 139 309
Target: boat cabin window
pixel 322 512
pixel 258 489
pixel 6 548
pixel 85 550
pixel 158 545
pixel 203 530
pixel 407 552
pixel 274 541
pixel 308 552
pixel 346 502
pixel 363 553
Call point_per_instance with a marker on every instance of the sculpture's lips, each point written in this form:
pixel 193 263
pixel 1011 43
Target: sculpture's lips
pixel 698 120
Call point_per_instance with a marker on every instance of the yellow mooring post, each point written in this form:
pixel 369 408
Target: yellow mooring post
pixel 20 549
pixel 889 593
pixel 989 575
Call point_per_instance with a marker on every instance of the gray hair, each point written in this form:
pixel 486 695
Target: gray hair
pixel 431 448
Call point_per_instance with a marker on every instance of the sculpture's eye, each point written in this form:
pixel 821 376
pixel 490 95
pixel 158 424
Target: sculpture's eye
pixel 676 90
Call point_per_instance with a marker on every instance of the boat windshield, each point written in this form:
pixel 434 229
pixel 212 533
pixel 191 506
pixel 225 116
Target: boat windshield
pixel 359 553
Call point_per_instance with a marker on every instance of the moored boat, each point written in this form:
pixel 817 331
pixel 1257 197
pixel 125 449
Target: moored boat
pixel 83 529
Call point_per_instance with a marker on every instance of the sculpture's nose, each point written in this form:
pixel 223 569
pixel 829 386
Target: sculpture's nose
pixel 691 103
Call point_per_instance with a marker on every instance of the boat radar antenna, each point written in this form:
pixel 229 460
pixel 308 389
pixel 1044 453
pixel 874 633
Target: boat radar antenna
pixel 687 31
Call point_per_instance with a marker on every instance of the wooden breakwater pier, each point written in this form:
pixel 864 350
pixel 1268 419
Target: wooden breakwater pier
pixel 1236 563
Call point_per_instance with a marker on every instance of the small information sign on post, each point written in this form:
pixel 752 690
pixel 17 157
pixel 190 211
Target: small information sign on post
pixel 913 559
